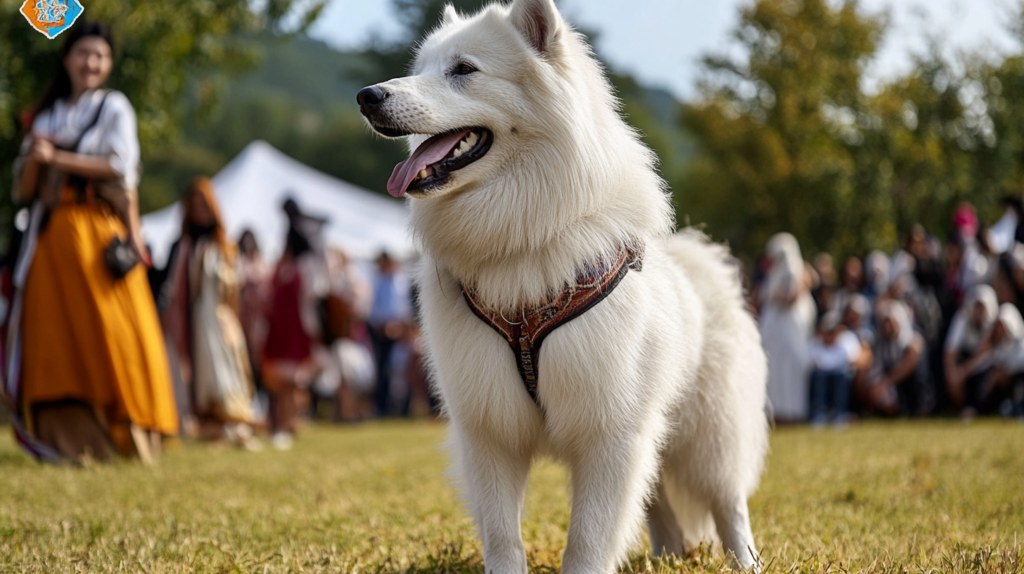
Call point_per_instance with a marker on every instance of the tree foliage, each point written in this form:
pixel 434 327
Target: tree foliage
pixel 771 128
pixel 789 139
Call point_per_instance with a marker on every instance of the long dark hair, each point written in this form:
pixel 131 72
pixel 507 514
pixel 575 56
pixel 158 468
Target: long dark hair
pixel 60 85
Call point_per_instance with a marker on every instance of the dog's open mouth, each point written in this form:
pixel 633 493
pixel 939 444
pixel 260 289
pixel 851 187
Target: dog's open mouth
pixel 432 162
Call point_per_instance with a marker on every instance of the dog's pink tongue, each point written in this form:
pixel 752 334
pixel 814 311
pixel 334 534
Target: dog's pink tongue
pixel 430 151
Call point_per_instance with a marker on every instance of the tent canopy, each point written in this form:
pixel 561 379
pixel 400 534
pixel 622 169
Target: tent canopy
pixel 253 186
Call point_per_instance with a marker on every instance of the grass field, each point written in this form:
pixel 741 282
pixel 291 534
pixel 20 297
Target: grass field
pixel 880 497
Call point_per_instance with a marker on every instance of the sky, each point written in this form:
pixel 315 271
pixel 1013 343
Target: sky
pixel 661 41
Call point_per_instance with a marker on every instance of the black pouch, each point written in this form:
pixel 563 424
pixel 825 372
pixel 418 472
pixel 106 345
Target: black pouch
pixel 120 257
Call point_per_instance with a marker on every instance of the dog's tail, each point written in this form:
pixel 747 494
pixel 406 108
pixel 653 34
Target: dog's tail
pixel 721 273
pixel 734 364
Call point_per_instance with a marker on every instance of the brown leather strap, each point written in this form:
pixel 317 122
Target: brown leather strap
pixel 526 329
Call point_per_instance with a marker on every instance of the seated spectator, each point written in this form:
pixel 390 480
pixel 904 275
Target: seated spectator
pixel 924 306
pixel 964 362
pixel 832 354
pixel 898 380
pixel 857 320
pixel 1003 391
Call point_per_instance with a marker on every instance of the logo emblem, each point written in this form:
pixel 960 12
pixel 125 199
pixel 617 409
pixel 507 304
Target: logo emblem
pixel 51 17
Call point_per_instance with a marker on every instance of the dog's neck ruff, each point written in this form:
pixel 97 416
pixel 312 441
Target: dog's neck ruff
pixel 526 329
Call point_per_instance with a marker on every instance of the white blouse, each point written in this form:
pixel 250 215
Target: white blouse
pixel 115 135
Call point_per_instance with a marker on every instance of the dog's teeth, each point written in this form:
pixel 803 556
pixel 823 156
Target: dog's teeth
pixel 472 139
pixel 465 146
pixel 457 152
pixel 423 173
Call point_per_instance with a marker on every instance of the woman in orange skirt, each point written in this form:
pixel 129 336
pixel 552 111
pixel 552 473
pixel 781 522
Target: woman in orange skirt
pixel 88 367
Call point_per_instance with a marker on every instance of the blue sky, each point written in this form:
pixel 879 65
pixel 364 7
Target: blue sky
pixel 661 41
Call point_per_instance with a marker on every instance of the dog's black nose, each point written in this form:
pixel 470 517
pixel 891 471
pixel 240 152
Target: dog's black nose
pixel 371 98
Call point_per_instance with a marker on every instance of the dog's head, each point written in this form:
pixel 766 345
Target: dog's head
pixel 481 87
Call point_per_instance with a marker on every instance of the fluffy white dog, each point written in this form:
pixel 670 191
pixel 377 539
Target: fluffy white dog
pixel 529 190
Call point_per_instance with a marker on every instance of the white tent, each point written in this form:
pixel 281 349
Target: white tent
pixel 254 185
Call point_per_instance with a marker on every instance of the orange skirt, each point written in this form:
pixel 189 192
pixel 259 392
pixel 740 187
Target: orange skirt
pixel 89 337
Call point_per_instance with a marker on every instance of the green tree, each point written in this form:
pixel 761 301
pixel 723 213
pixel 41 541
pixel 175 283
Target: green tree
pixel 774 130
pixel 918 150
pixel 999 88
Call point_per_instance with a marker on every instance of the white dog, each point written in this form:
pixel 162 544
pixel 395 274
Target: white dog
pixel 534 203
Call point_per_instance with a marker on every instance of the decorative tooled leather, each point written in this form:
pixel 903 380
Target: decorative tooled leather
pixel 526 329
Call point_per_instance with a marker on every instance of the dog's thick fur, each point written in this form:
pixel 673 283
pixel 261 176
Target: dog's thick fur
pixel 654 398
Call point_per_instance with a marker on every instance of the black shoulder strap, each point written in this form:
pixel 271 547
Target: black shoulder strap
pixel 92 123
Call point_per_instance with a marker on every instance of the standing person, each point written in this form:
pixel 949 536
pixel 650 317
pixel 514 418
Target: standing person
pixel 927 269
pixel 202 323
pixel 299 283
pixel 389 317
pixel 975 265
pixel 254 297
pixel 94 378
pixel 786 323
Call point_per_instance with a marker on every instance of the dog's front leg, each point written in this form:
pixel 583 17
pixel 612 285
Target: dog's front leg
pixel 495 476
pixel 610 479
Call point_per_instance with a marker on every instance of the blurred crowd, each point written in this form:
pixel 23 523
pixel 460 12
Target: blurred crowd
pixel 932 329
pixel 259 344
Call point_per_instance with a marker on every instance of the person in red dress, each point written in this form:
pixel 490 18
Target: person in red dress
pixel 299 283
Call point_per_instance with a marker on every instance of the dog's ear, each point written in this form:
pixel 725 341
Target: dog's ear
pixel 449 15
pixel 538 21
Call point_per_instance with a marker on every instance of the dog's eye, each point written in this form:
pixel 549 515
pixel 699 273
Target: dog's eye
pixel 462 69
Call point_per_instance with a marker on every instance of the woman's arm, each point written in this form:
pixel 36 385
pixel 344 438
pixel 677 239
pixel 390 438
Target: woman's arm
pixel 953 373
pixel 43 152
pixel 88 166
pixel 908 364
pixel 865 358
pixel 39 153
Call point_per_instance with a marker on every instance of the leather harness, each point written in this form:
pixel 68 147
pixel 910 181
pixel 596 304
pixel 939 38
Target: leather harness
pixel 526 329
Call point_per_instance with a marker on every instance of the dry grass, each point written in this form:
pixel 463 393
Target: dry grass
pixel 878 497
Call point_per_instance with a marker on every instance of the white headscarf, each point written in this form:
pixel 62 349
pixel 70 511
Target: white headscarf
pixel 973 334
pixel 1010 317
pixel 890 352
pixel 900 314
pixel 1009 355
pixel 787 263
pixel 985 295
